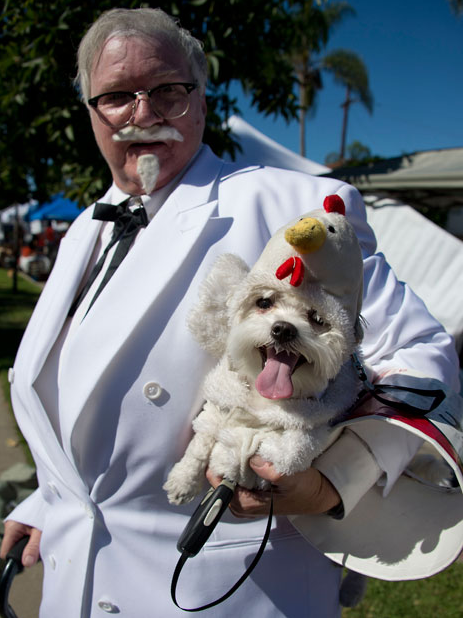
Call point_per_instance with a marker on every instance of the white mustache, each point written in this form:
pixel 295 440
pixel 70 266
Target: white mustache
pixel 133 133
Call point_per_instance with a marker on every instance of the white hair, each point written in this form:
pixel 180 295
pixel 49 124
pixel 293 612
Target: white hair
pixel 147 23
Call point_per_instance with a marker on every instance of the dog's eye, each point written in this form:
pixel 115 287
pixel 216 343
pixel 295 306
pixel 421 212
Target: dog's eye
pixel 264 303
pixel 314 317
pixel 331 229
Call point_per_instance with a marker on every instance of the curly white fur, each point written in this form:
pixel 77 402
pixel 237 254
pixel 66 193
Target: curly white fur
pixel 237 422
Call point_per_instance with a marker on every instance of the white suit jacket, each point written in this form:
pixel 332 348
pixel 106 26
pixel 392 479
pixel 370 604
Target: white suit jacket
pixel 109 534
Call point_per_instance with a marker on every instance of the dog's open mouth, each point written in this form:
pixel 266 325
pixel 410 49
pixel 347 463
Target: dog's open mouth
pixel 274 381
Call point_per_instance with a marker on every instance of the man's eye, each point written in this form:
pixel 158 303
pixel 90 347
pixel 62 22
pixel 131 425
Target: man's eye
pixel 115 98
pixel 264 303
pixel 168 88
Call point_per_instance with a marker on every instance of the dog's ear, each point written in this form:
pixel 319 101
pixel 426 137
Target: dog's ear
pixel 209 320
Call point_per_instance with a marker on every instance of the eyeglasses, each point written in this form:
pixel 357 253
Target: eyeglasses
pixel 168 101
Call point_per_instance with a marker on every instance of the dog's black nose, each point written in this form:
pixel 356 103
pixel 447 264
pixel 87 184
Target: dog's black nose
pixel 283 331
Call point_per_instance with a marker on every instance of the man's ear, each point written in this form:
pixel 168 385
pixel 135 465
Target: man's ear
pixel 203 105
pixel 209 320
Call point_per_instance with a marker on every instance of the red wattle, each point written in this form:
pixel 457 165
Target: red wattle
pixel 298 273
pixel 292 266
pixel 285 269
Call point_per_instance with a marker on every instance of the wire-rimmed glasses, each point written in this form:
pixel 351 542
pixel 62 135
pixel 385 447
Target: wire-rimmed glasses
pixel 168 101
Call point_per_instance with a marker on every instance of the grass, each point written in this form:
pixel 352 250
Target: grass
pixel 15 311
pixel 440 596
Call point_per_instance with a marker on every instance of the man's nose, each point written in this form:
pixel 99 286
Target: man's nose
pixel 144 115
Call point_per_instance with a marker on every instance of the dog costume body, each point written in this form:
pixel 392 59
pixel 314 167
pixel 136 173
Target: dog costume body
pixel 284 332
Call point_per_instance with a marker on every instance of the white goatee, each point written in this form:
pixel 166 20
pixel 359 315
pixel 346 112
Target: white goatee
pixel 148 169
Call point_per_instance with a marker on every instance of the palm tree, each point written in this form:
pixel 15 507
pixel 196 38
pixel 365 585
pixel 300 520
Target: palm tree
pixel 349 70
pixel 311 26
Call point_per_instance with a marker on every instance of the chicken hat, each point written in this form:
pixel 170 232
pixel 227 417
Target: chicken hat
pixel 319 248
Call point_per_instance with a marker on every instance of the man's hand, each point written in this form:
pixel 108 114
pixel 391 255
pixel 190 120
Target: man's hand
pixel 303 493
pixel 15 531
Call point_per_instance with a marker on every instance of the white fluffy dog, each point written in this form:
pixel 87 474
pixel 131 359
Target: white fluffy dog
pixel 284 332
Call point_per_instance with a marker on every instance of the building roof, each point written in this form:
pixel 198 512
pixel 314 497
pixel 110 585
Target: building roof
pixel 428 178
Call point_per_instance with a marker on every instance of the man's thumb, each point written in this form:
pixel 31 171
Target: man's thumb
pixel 264 469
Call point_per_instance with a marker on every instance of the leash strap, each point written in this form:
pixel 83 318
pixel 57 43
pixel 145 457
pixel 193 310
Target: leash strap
pixel 385 393
pixel 184 557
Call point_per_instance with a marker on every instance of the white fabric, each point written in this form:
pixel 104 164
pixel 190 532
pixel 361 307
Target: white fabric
pixel 107 519
pixel 351 468
pixel 259 149
pixel 424 255
pixel 389 450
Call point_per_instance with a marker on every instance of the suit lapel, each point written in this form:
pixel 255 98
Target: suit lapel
pixel 52 309
pixel 43 329
pixel 164 258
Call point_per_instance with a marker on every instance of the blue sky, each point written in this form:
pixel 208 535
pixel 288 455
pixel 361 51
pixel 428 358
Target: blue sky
pixel 413 50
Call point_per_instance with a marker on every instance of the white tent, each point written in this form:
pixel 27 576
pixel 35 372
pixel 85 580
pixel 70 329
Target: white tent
pixel 424 255
pixel 258 149
pixel 8 215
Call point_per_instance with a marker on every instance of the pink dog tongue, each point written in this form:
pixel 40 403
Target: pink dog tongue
pixel 274 381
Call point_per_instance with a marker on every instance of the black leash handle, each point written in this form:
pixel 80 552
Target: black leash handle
pixel 184 557
pixel 13 566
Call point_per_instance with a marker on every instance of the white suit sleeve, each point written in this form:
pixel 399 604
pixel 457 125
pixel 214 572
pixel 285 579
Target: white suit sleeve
pixel 353 480
pixel 31 511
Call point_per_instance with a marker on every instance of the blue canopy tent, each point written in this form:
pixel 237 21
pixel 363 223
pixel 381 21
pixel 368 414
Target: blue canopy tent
pixel 58 208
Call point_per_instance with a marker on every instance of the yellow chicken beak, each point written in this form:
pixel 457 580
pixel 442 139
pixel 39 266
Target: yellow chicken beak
pixel 307 235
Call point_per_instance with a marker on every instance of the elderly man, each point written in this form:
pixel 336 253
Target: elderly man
pixel 108 378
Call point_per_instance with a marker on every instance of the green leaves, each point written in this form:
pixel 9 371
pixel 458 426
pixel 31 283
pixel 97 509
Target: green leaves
pixel 313 22
pixel 46 141
pixel 349 70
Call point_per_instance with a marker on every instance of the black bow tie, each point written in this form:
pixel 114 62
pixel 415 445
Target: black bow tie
pixel 129 213
pixel 128 216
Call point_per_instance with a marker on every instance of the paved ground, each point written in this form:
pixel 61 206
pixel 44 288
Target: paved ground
pixel 26 589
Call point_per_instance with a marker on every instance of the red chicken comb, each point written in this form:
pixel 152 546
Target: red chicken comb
pixel 334 203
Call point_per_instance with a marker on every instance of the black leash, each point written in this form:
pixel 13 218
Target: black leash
pixel 207 505
pixel 380 392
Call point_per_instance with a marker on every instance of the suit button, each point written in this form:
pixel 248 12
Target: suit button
pixel 106 606
pixel 88 510
pixel 53 489
pixel 152 391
